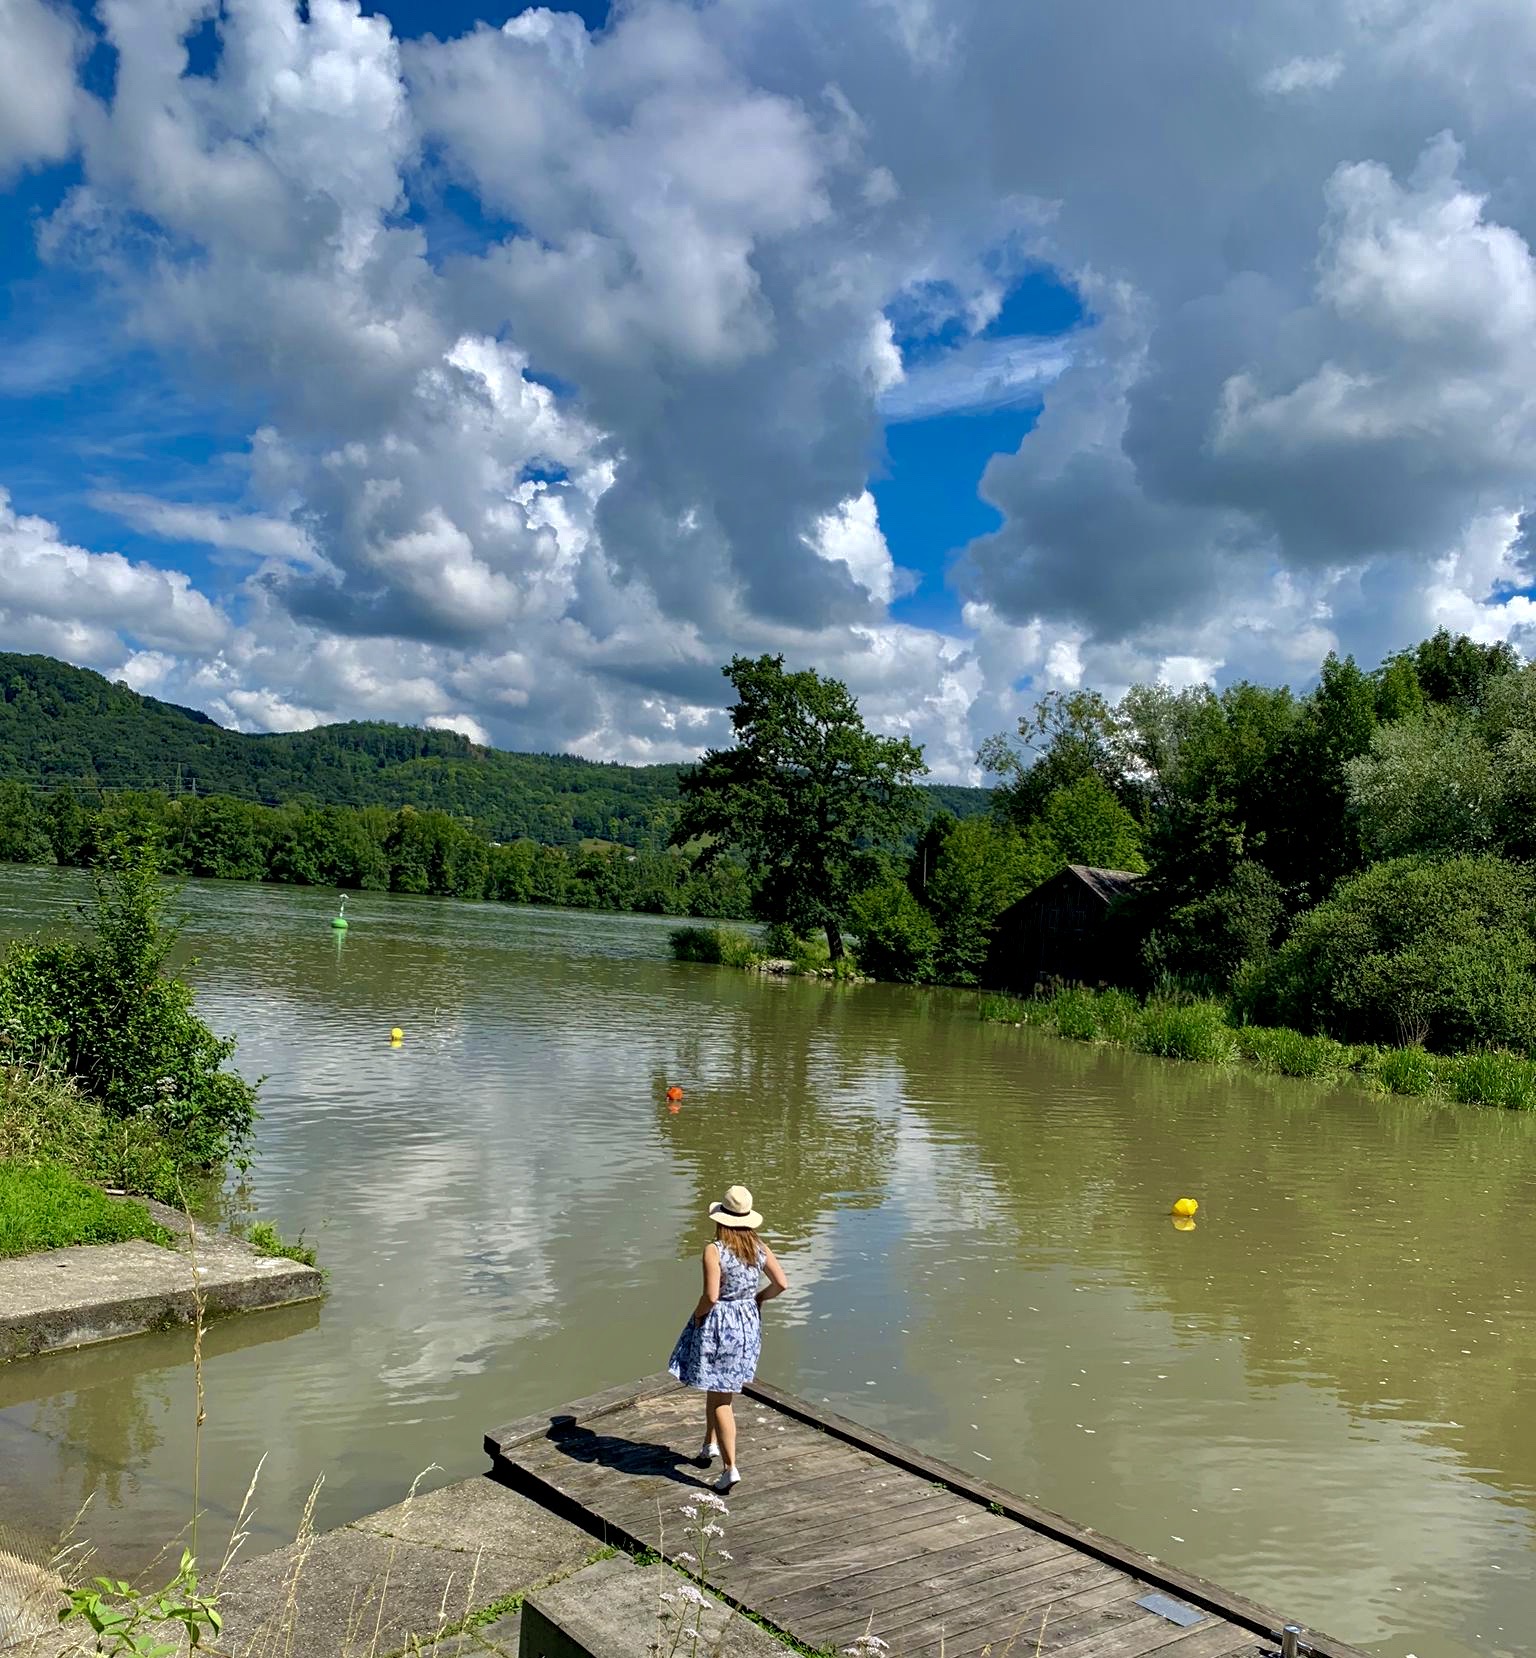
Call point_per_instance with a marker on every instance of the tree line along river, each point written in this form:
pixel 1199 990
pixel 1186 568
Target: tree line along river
pixel 1321 1396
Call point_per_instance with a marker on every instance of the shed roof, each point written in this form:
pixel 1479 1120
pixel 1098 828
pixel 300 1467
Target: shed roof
pixel 1104 883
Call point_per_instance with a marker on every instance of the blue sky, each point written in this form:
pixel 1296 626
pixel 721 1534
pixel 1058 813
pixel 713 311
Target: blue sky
pixel 514 379
pixel 83 416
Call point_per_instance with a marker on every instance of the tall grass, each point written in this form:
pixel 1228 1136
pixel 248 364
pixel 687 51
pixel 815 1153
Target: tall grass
pixel 1187 1027
pixel 1188 1030
pixel 716 946
pixel 43 1206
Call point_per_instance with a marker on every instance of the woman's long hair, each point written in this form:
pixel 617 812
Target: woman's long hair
pixel 741 1241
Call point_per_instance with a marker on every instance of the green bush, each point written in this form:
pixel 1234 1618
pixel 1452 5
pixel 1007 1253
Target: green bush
pixel 1492 1078
pixel 897 938
pixel 716 946
pixel 1292 1053
pixel 1073 1014
pixel 1402 1070
pixel 108 1013
pixel 1003 1010
pixel 1191 1030
pixel 1118 1013
pixel 1412 952
pixel 265 1239
pixel 44 1206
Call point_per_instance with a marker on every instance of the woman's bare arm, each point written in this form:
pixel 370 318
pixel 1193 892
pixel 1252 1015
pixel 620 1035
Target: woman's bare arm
pixel 777 1282
pixel 711 1283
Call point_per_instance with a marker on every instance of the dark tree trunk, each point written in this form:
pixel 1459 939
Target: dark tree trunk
pixel 834 941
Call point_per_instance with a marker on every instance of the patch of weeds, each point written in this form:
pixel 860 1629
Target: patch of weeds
pixel 1001 1010
pixel 1403 1070
pixel 1493 1078
pixel 265 1239
pixel 715 946
pixel 1074 1015
pixel 1185 1030
pixel 1291 1053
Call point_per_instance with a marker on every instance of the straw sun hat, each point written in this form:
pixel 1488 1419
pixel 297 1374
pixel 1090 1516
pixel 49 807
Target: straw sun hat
pixel 735 1209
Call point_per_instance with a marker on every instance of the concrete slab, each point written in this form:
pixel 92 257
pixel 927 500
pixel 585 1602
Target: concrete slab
pixel 400 1576
pixel 64 1298
pixel 614 1610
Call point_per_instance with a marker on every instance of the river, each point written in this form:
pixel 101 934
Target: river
pixel 1321 1396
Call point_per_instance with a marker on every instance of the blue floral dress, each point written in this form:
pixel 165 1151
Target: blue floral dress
pixel 720 1355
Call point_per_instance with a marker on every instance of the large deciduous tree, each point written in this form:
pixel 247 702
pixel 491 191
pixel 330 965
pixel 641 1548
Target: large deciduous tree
pixel 808 794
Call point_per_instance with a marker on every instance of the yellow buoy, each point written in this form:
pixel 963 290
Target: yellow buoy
pixel 1185 1207
pixel 397 1035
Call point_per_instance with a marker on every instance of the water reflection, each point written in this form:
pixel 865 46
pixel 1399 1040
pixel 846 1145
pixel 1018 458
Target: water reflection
pixel 1318 1393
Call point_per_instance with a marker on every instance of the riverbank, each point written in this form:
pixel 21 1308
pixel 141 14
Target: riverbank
pixel 452 1573
pixel 1202 1030
pixel 78 1297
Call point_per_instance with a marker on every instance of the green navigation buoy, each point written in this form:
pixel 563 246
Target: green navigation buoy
pixel 339 920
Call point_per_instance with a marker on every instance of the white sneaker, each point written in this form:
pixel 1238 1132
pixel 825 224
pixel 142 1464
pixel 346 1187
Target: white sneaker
pixel 728 1478
pixel 708 1453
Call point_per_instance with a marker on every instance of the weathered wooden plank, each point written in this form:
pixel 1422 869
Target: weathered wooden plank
pixel 890 1590
pixel 1208 1596
pixel 1045 1583
pixel 501 1440
pixel 1040 1622
pixel 834 1564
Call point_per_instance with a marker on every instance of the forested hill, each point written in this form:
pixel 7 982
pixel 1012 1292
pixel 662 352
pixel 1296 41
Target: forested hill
pixel 61 725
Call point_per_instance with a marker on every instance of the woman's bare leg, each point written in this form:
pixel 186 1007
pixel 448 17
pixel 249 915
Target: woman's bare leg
pixel 725 1427
pixel 711 1424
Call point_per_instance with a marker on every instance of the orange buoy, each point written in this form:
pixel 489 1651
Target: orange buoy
pixel 674 1093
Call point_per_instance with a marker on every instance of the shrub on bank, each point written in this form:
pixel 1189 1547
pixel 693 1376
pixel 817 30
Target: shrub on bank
pixel 1494 1078
pixel 1191 1030
pixel 43 1206
pixel 1402 1070
pixel 715 946
pixel 1292 1053
pixel 107 1012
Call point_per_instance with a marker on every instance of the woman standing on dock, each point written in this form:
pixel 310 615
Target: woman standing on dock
pixel 721 1344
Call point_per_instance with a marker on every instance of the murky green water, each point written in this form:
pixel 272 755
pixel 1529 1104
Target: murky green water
pixel 1322 1396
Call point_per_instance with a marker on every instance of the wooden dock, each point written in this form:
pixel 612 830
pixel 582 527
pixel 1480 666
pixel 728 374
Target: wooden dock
pixel 837 1530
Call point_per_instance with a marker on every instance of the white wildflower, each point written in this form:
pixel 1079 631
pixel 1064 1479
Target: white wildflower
pixel 690 1511
pixel 724 1554
pixel 710 1529
pixel 867 1646
pixel 669 1600
pixel 692 1595
pixel 707 1499
pixel 692 1559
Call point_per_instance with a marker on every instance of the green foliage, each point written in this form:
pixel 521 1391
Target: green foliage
pixel 44 1206
pixel 1427 786
pixel 1417 952
pixel 265 1239
pixel 982 867
pixel 108 1012
pixel 1292 1053
pixel 1402 1070
pixel 1185 1030
pixel 717 946
pixel 806 795
pixel 132 1624
pixel 23 830
pixel 1074 1013
pixel 897 938
pixel 1491 1078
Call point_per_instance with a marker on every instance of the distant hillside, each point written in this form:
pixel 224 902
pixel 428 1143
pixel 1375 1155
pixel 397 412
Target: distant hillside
pixel 63 725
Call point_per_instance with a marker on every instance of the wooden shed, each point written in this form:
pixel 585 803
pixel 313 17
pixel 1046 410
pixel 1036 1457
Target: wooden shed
pixel 1058 931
